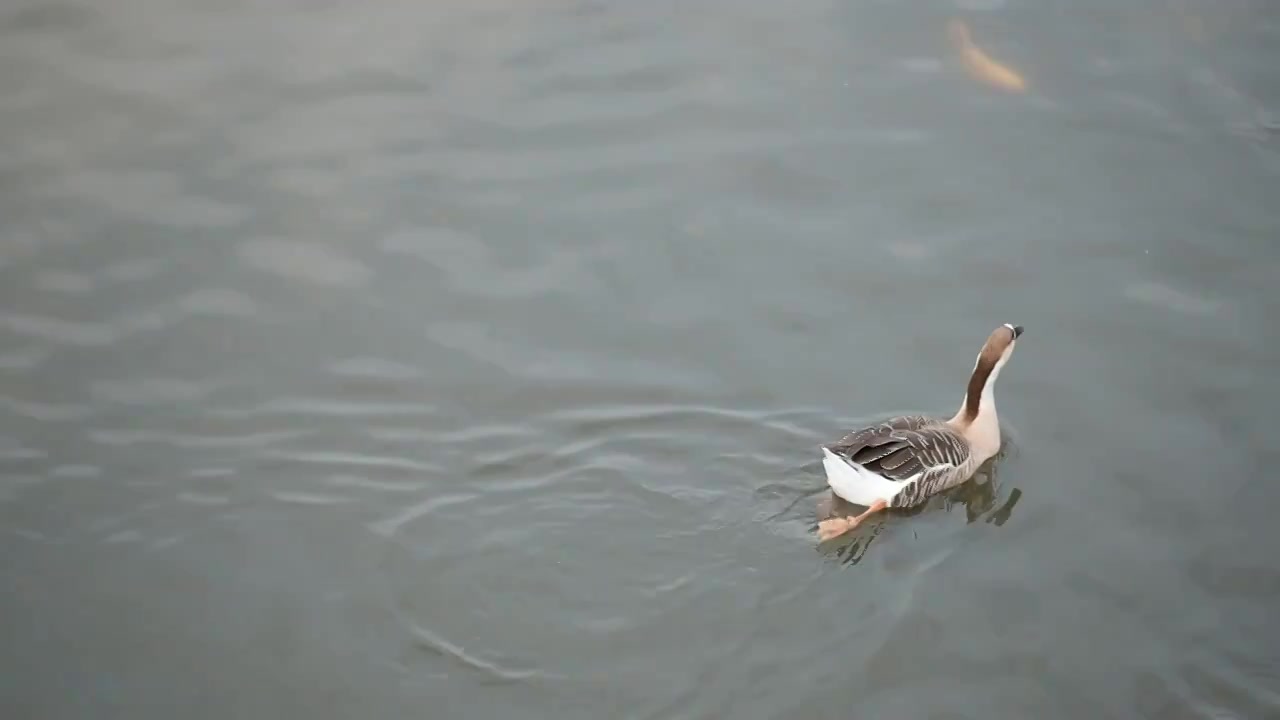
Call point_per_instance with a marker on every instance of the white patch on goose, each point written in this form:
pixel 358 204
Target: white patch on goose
pixel 857 484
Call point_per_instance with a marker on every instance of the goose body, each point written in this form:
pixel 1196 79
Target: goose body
pixel 905 460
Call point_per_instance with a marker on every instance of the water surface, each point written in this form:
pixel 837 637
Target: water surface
pixel 469 359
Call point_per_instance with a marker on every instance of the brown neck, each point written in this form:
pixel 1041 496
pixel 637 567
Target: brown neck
pixel 973 395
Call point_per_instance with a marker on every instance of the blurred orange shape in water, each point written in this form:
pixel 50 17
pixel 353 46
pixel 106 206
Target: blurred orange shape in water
pixel 980 65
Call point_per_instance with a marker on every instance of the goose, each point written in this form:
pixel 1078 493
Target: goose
pixel 904 460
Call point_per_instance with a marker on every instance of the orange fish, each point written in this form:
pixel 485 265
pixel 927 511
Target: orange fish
pixel 979 64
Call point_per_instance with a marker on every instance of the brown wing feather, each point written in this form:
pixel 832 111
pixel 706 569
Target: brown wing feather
pixel 906 446
pixel 942 453
pixel 900 422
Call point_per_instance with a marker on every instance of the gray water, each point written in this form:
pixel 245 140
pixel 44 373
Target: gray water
pixel 469 359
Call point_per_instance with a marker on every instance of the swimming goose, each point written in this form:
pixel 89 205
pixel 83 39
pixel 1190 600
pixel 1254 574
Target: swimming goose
pixel 905 460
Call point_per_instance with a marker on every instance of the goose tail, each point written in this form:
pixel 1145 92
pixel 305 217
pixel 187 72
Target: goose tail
pixel 854 482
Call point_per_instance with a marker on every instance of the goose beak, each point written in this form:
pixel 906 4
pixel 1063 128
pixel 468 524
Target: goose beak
pixel 1015 329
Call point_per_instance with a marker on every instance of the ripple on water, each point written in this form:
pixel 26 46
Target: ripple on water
pixel 363 483
pixel 1231 578
pixel 310 262
pixel 910 251
pixel 306 498
pixel 133 270
pixel 374 368
pixel 11 486
pixel 310 407
pixel 355 460
pixel 463 257
pixel 128 438
pixel 22 359
pixel 922 65
pixel 61 332
pixel 219 302
pixel 211 472
pixel 165 542
pixel 617 418
pixel 564 497
pixel 548 548
pixel 159 317
pixel 148 196
pixel 151 391
pixel 63 281
pixel 1181 301
pixel 388 527
pixel 76 472
pixel 439 644
pixel 1214 687
pixel 18 453
pixel 46 412
pixel 123 536
pixel 196 498
pixel 980 5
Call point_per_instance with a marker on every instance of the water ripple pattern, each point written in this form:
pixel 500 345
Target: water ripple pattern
pixel 471 358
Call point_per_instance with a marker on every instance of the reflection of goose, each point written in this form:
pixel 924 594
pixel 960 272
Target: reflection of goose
pixel 981 501
pixel 905 460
